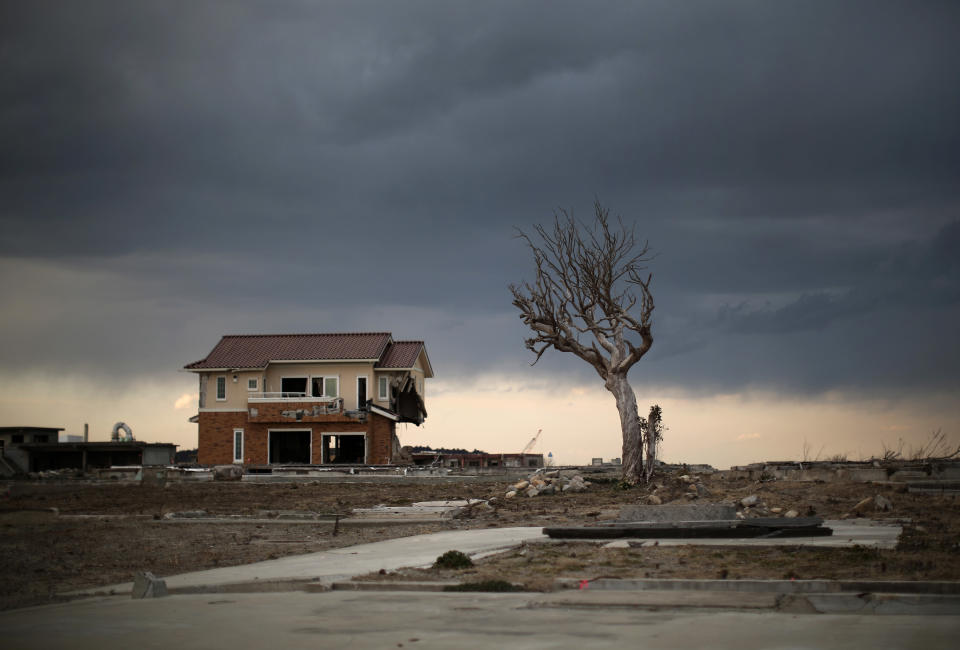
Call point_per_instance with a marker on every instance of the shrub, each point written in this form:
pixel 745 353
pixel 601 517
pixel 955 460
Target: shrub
pixel 453 560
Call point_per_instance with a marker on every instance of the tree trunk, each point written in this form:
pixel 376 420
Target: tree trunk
pixel 629 425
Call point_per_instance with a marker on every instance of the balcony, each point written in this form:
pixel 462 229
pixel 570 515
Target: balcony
pixel 298 407
pixel 254 398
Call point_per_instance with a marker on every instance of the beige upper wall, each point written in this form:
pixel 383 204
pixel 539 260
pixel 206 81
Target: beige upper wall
pixel 269 380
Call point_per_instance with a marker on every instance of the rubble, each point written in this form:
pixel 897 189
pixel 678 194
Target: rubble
pixel 545 483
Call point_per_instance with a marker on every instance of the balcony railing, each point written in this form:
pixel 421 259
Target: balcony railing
pixel 288 397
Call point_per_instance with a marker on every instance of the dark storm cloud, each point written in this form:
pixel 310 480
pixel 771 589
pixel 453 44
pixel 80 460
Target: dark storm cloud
pixel 208 167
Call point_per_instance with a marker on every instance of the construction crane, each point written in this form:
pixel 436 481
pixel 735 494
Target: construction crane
pixel 532 442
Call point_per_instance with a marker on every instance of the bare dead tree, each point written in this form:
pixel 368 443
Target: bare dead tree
pixel 589 279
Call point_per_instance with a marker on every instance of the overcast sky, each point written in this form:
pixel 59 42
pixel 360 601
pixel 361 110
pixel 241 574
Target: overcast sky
pixel 174 171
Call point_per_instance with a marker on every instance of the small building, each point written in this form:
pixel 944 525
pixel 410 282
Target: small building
pixel 86 455
pixel 37 449
pixel 13 458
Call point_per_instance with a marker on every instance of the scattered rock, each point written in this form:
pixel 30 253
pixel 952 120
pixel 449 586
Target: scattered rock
pixel 790 514
pixel 511 494
pixel 776 511
pixel 654 500
pixel 702 490
pixel 882 503
pixel 227 473
pixel 522 485
pixel 532 491
pixel 751 500
pixel 147 585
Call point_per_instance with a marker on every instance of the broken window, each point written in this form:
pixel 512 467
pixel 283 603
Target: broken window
pixel 344 448
pixel 293 386
pixel 289 447
pixel 221 388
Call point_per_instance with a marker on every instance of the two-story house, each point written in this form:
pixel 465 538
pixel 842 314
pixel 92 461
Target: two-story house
pixel 308 398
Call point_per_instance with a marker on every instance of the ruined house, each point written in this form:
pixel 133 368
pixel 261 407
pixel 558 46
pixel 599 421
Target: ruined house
pixel 311 399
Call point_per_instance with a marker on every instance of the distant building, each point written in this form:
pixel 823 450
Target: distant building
pixel 37 449
pixel 476 460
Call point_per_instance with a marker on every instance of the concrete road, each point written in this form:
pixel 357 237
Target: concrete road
pixel 443 621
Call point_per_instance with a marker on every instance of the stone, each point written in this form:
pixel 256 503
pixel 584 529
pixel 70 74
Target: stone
pixel 532 491
pixel 702 490
pixel 510 494
pixel 862 504
pixel 554 474
pixel 147 585
pixel 227 473
pixel 751 500
pixel 547 489
pixel 521 485
pixel 686 479
pixel 654 500
pixel 776 511
pixel 882 503
pixel 186 514
pixel 790 514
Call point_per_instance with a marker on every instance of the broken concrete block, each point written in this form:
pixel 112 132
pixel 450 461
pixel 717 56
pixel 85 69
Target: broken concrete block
pixel 522 485
pixel 227 473
pixel 532 491
pixel 751 500
pixel 883 503
pixel 147 585
pixel 510 494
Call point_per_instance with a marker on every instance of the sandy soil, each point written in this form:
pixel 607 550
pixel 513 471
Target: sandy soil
pixel 103 533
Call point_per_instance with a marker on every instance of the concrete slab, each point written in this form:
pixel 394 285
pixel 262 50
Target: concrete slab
pixel 848 532
pixel 328 566
pixel 428 621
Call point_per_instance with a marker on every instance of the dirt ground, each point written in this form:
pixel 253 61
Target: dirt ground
pixel 102 533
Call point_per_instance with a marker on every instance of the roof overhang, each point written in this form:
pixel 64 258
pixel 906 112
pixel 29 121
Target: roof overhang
pixel 387 413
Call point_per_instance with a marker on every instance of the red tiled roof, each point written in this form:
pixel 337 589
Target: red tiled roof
pixel 401 354
pixel 257 350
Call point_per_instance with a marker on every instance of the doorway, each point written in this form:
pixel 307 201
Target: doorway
pixel 289 446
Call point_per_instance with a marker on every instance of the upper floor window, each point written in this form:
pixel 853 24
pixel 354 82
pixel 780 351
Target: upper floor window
pixel 383 388
pixel 326 386
pixel 252 383
pixel 221 388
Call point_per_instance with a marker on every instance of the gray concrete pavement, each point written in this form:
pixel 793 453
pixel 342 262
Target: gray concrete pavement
pixel 342 563
pixel 464 621
pixel 326 567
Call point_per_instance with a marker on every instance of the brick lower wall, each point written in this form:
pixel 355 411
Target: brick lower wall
pixel 215 437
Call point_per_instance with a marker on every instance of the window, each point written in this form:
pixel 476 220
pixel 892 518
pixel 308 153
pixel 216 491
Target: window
pixel 16 439
pixel 41 438
pixel 221 388
pixel 382 386
pixel 293 386
pixel 326 386
pixel 361 391
pixel 252 383
pixel 238 445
